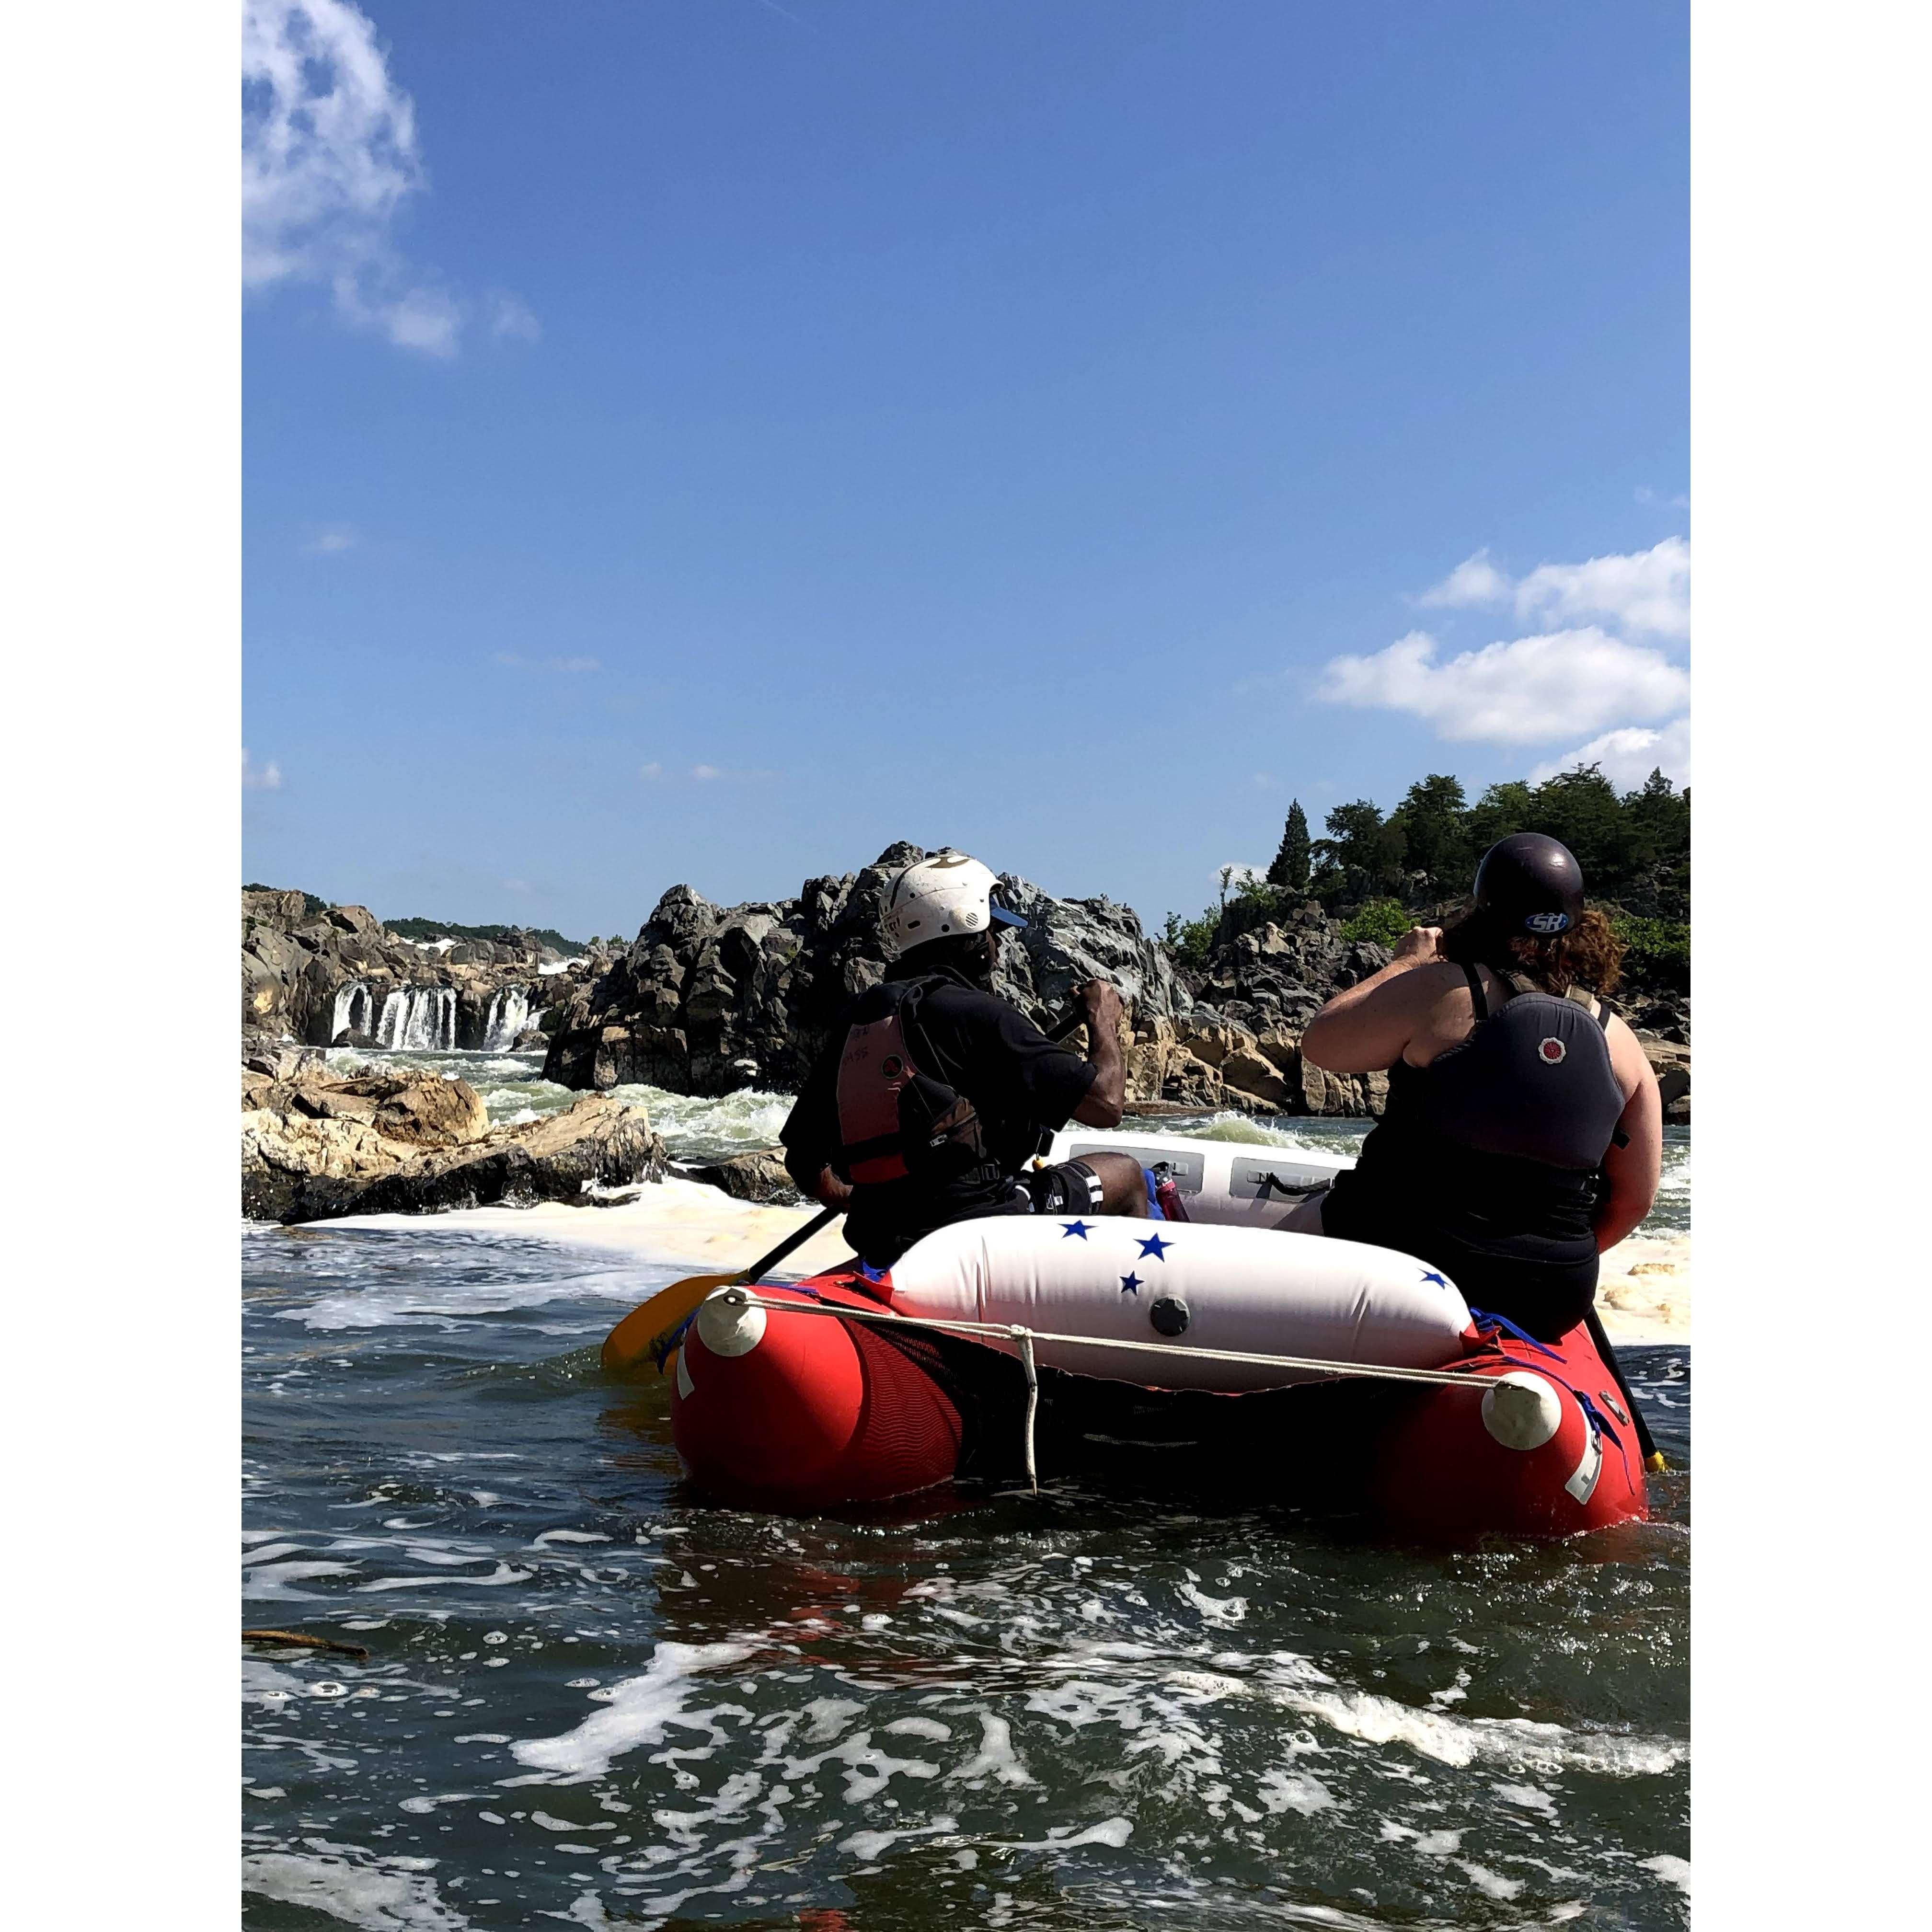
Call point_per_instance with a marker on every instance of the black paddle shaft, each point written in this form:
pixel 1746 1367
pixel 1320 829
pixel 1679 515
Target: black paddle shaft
pixel 1646 1445
pixel 797 1238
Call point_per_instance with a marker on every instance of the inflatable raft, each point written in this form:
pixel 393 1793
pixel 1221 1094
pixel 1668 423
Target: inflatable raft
pixel 855 1387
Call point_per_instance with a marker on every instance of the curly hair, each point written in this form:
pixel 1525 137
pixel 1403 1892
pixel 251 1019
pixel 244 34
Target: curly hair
pixel 1589 954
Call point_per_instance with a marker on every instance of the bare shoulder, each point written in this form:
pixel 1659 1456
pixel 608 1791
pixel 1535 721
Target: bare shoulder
pixel 1424 989
pixel 1628 1060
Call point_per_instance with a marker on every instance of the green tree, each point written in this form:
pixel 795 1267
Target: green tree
pixel 1502 809
pixel 1433 817
pixel 1362 855
pixel 1289 872
pixel 1657 816
pixel 1581 807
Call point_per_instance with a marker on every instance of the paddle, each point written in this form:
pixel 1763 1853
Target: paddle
pixel 637 1335
pixel 1646 1444
pixel 647 1329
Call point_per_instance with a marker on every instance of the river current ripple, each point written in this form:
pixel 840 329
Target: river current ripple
pixel 589 1698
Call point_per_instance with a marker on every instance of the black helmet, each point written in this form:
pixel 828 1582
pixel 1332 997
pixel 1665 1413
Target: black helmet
pixel 1530 883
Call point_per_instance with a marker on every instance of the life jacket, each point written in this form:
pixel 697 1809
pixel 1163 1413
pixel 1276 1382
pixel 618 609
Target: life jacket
pixel 1532 1082
pixel 1488 1162
pixel 896 1121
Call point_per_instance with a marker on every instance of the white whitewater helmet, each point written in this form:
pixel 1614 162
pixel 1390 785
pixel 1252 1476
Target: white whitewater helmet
pixel 941 897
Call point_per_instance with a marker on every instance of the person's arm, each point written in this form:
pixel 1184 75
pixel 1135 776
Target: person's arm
pixel 812 1177
pixel 806 1139
pixel 1365 1028
pixel 1106 1098
pixel 1632 1171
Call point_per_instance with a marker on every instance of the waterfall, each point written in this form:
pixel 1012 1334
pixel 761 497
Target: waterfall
pixel 351 1009
pixel 418 1019
pixel 395 1010
pixel 509 1014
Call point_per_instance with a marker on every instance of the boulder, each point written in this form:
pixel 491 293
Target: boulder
pixel 324 1149
pixel 1249 1072
pixel 760 1176
pixel 1347 1096
pixel 282 1063
pixel 277 908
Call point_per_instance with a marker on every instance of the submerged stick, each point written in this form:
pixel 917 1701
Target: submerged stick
pixel 303 1640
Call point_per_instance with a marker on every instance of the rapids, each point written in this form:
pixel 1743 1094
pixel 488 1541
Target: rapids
pixel 589 1698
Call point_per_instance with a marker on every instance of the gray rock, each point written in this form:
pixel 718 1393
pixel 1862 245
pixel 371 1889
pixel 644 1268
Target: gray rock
pixel 759 1176
pixel 317 978
pixel 708 1000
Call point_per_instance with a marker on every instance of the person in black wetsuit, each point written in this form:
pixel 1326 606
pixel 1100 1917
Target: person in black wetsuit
pixel 1523 1133
pixel 932 1093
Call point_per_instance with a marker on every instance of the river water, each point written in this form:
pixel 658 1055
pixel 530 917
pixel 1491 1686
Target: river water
pixel 589 1698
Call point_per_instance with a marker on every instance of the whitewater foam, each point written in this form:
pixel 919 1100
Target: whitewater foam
pixel 641 1711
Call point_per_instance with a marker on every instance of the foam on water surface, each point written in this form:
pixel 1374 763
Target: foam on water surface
pixel 591 1699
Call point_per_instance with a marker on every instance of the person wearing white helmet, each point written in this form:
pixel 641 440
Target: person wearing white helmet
pixel 933 1093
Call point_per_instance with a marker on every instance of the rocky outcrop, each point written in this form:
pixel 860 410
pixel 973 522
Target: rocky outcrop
pixel 710 999
pixel 758 1176
pixel 1282 974
pixel 314 1146
pixel 335 975
pixel 1207 1061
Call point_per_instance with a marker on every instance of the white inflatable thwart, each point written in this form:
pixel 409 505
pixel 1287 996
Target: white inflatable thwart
pixel 1189 1284
pixel 1234 1183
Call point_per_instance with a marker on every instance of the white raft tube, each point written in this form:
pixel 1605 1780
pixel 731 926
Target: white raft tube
pixel 1188 1285
pixel 1234 1183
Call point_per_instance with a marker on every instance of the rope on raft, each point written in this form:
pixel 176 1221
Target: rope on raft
pixel 1025 1339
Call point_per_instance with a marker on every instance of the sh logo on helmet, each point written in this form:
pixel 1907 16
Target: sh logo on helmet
pixel 1547 922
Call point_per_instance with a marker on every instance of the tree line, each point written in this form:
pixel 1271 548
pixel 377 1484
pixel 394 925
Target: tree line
pixel 1375 869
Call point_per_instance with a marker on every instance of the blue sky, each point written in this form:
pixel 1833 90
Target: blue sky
pixel 707 441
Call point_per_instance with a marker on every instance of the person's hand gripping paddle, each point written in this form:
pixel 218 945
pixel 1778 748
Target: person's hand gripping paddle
pixel 647 1331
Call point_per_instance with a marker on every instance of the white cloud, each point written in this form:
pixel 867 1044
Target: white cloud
pixel 706 772
pixel 1526 692
pixel 1230 877
pixel 260 778
pixel 1644 493
pixel 1646 591
pixel 1474 581
pixel 329 155
pixel 331 539
pixel 652 771
pixel 1630 755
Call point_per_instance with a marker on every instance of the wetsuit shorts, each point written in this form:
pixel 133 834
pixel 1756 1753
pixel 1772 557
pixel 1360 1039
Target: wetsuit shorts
pixel 1068 1187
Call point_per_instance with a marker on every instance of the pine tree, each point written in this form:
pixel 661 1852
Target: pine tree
pixel 1289 872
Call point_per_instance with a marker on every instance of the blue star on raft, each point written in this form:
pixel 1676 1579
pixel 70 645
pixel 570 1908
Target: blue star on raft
pixel 1079 1227
pixel 1130 1284
pixel 1154 1246
pixel 1440 1280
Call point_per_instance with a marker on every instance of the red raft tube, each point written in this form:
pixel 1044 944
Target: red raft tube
pixel 802 1412
pixel 1548 1449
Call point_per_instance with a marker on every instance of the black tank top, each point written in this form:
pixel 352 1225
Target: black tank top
pixel 1487 1162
